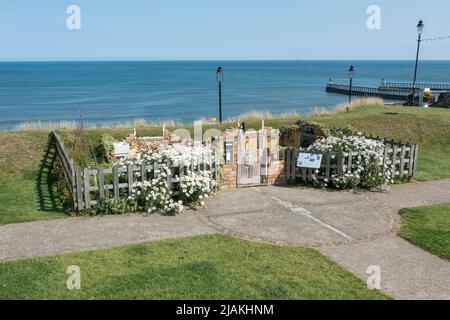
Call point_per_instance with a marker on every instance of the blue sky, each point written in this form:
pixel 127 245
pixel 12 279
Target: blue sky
pixel 220 29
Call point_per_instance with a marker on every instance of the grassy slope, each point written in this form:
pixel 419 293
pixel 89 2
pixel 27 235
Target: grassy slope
pixel 428 228
pixel 23 197
pixel 206 267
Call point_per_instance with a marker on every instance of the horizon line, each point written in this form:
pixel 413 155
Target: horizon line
pixel 207 60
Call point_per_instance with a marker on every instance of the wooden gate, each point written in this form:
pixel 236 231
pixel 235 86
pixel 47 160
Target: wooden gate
pixel 252 163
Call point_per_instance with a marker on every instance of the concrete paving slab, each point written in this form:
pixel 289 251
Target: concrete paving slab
pixel 407 272
pixel 44 238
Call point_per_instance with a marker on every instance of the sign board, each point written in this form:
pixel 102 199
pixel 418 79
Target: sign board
pixel 309 160
pixel 229 152
pixel 121 149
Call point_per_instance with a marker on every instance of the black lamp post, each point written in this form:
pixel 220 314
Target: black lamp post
pixel 219 78
pixel 351 74
pixel 420 27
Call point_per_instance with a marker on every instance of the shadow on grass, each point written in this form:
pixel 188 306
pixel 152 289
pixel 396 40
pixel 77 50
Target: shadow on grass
pixel 44 181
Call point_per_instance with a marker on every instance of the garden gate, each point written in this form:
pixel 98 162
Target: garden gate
pixel 252 158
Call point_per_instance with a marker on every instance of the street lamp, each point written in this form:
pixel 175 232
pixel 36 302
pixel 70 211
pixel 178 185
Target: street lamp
pixel 219 78
pixel 420 27
pixel 351 74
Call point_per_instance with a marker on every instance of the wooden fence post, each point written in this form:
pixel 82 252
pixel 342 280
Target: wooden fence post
pixel 169 176
pixel 288 164
pixel 385 159
pixel 79 186
pixel 394 161
pixel 101 184
pixel 130 173
pixel 295 155
pixel 416 157
pixel 115 171
pixel 340 166
pixel 87 189
pixel 143 173
pixel 327 165
pixel 402 161
pixel 411 160
pixel 73 183
pixel 349 164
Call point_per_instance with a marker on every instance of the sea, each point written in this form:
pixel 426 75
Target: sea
pixel 119 91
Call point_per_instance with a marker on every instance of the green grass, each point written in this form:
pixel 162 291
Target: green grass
pixel 204 267
pixel 23 195
pixel 428 228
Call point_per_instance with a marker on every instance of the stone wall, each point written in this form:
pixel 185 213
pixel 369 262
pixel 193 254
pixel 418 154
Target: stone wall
pixel 228 172
pixel 228 177
pixel 277 174
pixel 276 167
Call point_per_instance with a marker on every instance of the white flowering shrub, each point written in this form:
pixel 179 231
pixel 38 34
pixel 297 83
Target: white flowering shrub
pixel 367 168
pixel 196 186
pixel 170 183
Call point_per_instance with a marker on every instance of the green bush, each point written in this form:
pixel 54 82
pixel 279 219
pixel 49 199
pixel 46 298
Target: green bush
pixel 57 183
pixel 104 147
pixel 108 207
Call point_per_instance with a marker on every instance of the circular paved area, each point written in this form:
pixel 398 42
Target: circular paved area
pixel 300 216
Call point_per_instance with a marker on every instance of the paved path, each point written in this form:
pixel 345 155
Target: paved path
pixel 44 238
pixel 356 230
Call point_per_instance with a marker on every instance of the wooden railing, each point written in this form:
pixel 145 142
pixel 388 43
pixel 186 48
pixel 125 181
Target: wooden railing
pixel 410 86
pixel 66 163
pixel 96 185
pixel 90 186
pixel 368 91
pixel 401 158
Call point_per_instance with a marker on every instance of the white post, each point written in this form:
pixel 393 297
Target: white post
pixel 421 94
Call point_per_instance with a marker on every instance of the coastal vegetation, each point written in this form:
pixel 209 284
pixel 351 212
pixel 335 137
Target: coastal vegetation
pixel 203 267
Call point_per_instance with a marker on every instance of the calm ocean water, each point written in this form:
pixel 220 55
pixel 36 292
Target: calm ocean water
pixel 183 91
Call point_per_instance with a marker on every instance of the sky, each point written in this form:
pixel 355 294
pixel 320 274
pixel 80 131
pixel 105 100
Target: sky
pixel 221 30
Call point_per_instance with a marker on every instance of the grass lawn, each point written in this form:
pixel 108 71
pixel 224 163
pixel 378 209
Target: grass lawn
pixel 24 194
pixel 428 228
pixel 204 267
